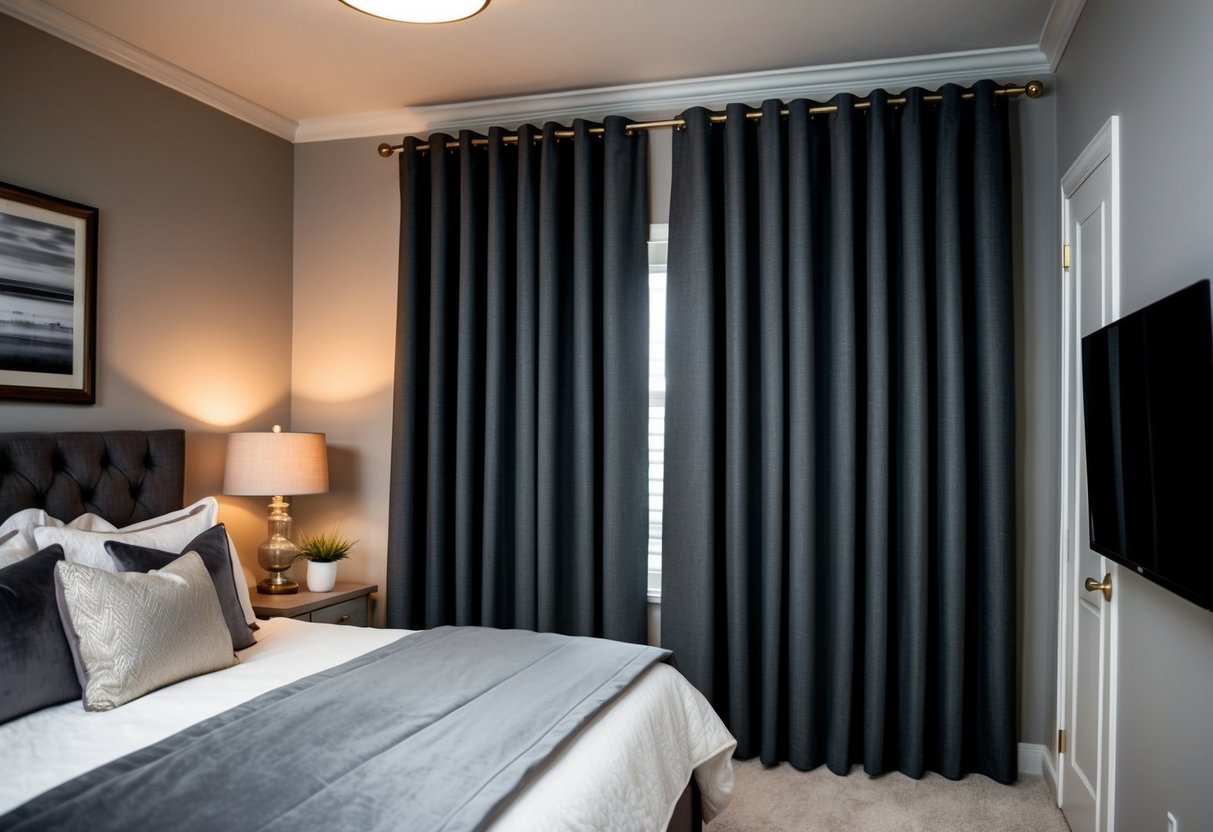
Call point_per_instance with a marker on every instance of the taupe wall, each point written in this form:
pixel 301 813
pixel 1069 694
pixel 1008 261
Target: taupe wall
pixel 347 231
pixel 194 285
pixel 1151 65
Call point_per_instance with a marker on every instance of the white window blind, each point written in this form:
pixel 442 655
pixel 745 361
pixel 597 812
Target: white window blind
pixel 658 234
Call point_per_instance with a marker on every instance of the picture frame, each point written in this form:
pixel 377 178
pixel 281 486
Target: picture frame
pixel 48 298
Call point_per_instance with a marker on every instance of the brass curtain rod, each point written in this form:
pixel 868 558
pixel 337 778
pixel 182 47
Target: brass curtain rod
pixel 1032 89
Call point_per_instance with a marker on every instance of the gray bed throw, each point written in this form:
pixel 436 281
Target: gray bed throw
pixel 433 732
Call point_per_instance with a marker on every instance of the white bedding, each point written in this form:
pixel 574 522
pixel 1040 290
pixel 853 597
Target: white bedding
pixel 624 772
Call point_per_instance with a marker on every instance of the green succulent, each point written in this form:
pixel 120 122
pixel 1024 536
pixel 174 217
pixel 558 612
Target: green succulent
pixel 325 547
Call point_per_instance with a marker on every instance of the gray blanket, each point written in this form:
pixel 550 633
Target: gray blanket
pixel 433 732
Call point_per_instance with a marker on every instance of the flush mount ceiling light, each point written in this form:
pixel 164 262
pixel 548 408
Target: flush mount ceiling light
pixel 419 11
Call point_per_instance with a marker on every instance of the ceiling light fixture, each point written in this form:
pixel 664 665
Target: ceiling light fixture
pixel 419 11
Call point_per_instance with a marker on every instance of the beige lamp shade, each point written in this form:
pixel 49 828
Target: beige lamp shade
pixel 276 464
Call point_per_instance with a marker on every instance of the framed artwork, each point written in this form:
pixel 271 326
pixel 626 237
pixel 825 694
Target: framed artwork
pixel 48 298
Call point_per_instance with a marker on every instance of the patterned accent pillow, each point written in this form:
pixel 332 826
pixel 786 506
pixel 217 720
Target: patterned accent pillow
pixel 132 633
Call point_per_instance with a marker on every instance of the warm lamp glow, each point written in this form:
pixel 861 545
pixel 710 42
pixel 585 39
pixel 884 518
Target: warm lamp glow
pixel 419 11
pixel 221 389
pixel 278 464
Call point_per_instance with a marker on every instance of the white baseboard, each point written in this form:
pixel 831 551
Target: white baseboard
pixel 1033 759
pixel 1049 772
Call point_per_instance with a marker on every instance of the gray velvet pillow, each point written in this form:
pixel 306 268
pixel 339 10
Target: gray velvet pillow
pixel 211 545
pixel 131 633
pixel 36 668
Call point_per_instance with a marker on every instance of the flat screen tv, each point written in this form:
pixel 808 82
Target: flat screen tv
pixel 1147 383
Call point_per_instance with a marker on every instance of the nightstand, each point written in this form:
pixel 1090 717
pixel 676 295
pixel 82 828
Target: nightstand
pixel 348 603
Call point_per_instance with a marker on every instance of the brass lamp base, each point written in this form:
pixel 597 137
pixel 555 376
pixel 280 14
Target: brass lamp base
pixel 267 586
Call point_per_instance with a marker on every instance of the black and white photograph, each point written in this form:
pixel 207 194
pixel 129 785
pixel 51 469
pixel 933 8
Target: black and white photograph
pixel 47 285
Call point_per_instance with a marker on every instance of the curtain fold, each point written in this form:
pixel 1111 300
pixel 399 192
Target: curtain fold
pixel 519 458
pixel 838 545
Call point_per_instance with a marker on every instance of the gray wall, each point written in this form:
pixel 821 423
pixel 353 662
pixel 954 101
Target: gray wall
pixel 1037 381
pixel 1151 64
pixel 194 278
pixel 347 232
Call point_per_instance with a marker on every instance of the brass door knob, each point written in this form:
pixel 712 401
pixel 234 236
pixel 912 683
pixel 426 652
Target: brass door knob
pixel 1092 585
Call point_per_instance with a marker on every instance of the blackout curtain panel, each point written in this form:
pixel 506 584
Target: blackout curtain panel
pixel 519 439
pixel 839 551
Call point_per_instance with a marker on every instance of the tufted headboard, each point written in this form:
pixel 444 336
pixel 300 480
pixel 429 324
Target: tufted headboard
pixel 123 475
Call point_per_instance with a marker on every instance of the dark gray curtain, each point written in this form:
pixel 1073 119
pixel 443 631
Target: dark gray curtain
pixel 839 550
pixel 519 438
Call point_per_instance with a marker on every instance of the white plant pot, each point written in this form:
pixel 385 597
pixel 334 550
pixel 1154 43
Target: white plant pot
pixel 321 575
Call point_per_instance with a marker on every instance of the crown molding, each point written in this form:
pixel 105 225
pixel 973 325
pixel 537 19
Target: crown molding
pixel 664 98
pixel 399 122
pixel 1059 26
pixel 656 99
pixel 79 33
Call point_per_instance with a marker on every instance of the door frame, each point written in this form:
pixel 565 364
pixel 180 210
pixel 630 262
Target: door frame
pixel 1105 146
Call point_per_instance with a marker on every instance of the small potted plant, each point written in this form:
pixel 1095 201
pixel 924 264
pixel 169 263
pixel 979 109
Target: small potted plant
pixel 322 551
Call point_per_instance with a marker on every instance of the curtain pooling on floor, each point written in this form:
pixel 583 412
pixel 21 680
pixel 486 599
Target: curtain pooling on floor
pixel 838 549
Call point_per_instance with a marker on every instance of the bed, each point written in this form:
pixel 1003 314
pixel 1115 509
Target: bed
pixel 653 756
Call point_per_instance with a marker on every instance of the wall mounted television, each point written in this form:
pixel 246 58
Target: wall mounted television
pixel 1147 382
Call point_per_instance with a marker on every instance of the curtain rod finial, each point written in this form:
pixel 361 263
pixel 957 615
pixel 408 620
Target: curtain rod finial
pixel 385 150
pixel 1034 89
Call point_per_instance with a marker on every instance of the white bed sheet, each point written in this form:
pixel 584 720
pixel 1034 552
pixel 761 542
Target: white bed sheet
pixel 624 772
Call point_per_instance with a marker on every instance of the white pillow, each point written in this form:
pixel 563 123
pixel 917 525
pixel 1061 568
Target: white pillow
pixel 10 554
pixel 246 603
pixel 168 532
pixel 207 507
pixel 17 532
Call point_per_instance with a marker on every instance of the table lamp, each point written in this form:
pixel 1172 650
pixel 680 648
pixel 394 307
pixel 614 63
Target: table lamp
pixel 276 463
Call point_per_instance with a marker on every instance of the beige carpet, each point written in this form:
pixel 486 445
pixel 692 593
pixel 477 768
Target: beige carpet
pixel 782 799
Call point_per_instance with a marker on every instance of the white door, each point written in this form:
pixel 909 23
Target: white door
pixel 1087 629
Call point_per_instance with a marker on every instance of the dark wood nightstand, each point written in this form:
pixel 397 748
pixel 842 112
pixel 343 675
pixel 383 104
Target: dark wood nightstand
pixel 348 603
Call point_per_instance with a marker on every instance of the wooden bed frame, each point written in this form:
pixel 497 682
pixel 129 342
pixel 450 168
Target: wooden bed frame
pixel 127 476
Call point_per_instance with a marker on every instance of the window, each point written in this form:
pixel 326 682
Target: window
pixel 658 234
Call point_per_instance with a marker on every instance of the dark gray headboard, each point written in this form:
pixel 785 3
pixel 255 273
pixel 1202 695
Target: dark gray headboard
pixel 123 475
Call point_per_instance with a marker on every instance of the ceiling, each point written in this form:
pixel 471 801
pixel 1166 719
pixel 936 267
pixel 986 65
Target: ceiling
pixel 307 60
